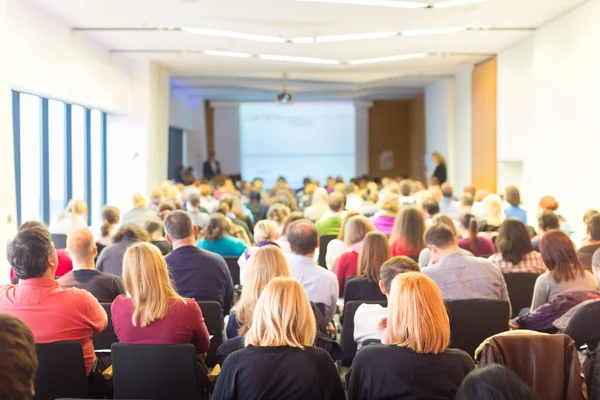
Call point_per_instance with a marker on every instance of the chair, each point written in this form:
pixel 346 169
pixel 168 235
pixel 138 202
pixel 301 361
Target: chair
pixel 59 240
pixel 234 269
pixel 106 338
pixel 348 344
pixel 520 290
pixel 159 372
pixel 61 371
pixel 213 318
pixel 473 321
pixel 323 242
pixel 415 258
pixel 584 326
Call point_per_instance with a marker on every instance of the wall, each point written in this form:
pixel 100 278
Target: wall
pixel 439 124
pixel 462 165
pixel 416 127
pixel 389 130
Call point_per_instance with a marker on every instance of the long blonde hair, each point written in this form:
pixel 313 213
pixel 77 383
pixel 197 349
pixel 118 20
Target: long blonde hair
pixel 492 209
pixel 282 316
pixel 417 316
pixel 146 279
pixel 266 263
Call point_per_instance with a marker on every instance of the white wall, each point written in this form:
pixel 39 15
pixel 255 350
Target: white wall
pixel 463 131
pixel 439 124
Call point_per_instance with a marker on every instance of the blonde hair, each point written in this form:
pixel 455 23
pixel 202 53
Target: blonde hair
pixel 282 316
pixel 345 220
pixel 139 200
pixel 492 209
pixel 417 316
pixel 389 201
pixel 375 252
pixel 265 230
pixel 266 263
pixel 356 229
pixel 75 208
pixel 146 279
pixel 279 213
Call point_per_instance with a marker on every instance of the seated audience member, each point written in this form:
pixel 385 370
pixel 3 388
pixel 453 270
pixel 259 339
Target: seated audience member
pixel 406 193
pixel 478 202
pixel 111 217
pixel 235 228
pixel 74 216
pixel 318 205
pixel 448 205
pixel 156 234
pixel 492 213
pixel 585 252
pixel 375 252
pixel 512 195
pixel 224 186
pixel 338 246
pixel 425 257
pixel 565 272
pixel 408 232
pixel 458 276
pixel 196 274
pixel 331 221
pixel 515 252
pixel 165 208
pixel 265 234
pixel 304 194
pixel 320 284
pixel 82 250
pixel 549 203
pixel 19 362
pixel 430 209
pixel 111 258
pixel 265 264
pixel 280 341
pixel 367 316
pixel 207 202
pixel 199 217
pixel 389 205
pixel 140 213
pixel 282 241
pixel 414 360
pixel 353 200
pixel 238 215
pixel 279 214
pixel 218 240
pixel 54 314
pixel 155 313
pixel 547 221
pixel 471 240
pixel 494 382
pixel 466 204
pixel 347 264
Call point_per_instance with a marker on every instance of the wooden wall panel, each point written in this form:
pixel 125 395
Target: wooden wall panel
pixel 484 108
pixel 416 111
pixel 209 115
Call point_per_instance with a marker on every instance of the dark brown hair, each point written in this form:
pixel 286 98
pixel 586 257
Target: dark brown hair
pixel 178 225
pixel 19 362
pixel 131 231
pixel 469 221
pixel 294 216
pixel 440 235
pixel 217 227
pixel 375 252
pixel 394 266
pixel 303 238
pixel 548 220
pixel 513 196
pixel 29 251
pixel 593 226
pixel 558 253
pixel 409 227
pixel 110 216
pixel 513 241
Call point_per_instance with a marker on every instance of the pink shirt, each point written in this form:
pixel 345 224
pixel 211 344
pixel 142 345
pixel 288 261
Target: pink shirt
pixel 55 314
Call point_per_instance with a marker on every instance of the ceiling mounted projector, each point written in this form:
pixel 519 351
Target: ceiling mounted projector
pixel 285 98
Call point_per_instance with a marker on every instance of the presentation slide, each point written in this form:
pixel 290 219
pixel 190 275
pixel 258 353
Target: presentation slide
pixel 297 140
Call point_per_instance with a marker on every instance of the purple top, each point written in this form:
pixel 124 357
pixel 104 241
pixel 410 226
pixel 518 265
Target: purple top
pixel 259 244
pixel 383 223
pixel 485 246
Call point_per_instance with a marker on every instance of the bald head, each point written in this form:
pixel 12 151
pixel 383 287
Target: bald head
pixel 303 237
pixel 81 247
pixel 337 201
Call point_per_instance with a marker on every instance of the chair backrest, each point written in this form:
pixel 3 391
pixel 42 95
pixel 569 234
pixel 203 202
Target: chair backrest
pixel 213 318
pixel 106 338
pixel 59 240
pixel 520 290
pixel 323 242
pixel 159 372
pixel 234 269
pixel 348 344
pixel 473 321
pixel 415 258
pixel 61 372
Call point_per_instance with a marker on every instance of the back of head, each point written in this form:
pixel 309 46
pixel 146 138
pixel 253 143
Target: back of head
pixel 417 317
pixel 406 187
pixel 110 216
pixel 319 197
pixel 512 196
pixel 77 208
pixel 594 227
pixel 179 225
pixel 81 245
pixel 294 216
pixel 494 382
pixel 282 316
pixel 131 232
pixel 32 224
pixel 409 227
pixel 558 253
pixel 466 200
pixel 278 213
pixel 513 241
pixel 217 227
pixel 375 252
pixel 265 230
pixel 470 190
pixel 492 209
pixel 447 189
pixel 154 228
pixel 357 228
pixel 548 220
pixel 431 206
pixel 19 362
pixel 440 235
pixel 30 252
pixel 345 220
pixel 350 188
pixel 194 200
pixel 469 222
pixel 336 201
pixel 139 200
pixel 395 266
pixel 548 203
pixel 303 238
pixel 389 202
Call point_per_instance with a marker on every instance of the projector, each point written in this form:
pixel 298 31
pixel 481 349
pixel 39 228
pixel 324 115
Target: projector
pixel 285 98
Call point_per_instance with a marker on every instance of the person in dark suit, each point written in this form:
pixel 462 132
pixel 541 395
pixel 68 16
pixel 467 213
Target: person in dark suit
pixel 212 167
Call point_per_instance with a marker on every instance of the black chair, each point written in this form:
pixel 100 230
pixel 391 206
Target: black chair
pixel 107 337
pixel 348 344
pixel 323 242
pixel 156 372
pixel 213 318
pixel 584 327
pixel 473 321
pixel 520 290
pixel 59 240
pixel 234 269
pixel 61 371
pixel 414 258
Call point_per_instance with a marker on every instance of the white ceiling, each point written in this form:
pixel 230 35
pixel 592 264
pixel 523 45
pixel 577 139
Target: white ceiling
pixel 222 78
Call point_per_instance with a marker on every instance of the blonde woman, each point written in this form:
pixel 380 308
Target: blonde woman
pixel 414 360
pixel 73 217
pixel 338 246
pixel 279 213
pixel 279 361
pixel 389 205
pixel 265 234
pixel 493 213
pixel 319 205
pixel 155 313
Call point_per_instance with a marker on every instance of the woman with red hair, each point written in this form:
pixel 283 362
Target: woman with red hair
pixel 549 203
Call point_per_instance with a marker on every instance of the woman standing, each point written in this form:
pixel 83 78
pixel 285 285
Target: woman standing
pixel 440 174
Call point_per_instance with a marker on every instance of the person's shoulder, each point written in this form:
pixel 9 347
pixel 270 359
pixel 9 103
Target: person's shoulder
pixel 121 301
pixel 375 352
pixel 459 356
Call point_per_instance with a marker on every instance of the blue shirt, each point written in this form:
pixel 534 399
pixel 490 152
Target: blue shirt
pixel 227 246
pixel 516 212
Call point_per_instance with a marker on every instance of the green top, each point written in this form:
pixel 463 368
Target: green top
pixel 329 226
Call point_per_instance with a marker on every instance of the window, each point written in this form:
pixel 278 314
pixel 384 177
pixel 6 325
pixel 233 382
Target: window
pixel 78 152
pixel 31 155
pixel 96 166
pixel 57 149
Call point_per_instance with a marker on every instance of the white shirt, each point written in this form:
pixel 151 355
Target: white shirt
pixel 366 319
pixel 320 284
pixel 67 224
pixel 335 249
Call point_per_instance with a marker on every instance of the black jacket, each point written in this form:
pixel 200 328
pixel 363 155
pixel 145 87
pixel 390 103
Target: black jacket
pixel 208 172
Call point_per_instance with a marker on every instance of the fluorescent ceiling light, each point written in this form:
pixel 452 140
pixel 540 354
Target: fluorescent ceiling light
pixel 227 54
pixel 236 35
pixel 303 40
pixel 375 3
pixel 434 31
pixel 388 59
pixel 298 59
pixel 344 38
pixel 456 3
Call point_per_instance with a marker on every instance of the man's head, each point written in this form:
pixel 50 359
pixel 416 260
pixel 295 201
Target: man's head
pixel 180 229
pixel 512 196
pixel 81 247
pixel 393 267
pixel 139 200
pixel 547 221
pixel 447 189
pixel 466 201
pixel 406 187
pixel 19 362
pixel 337 201
pixel 593 227
pixel 441 239
pixel 303 238
pixel 470 190
pixel 32 255
pixel 431 207
pixel 193 202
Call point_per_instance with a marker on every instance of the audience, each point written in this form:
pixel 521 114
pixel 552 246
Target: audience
pixel 585 252
pixel 265 234
pixel 218 240
pixel 282 241
pixel 154 313
pixel 111 258
pixel 492 213
pixel 414 360
pixel 353 200
pixel 279 214
pixel 156 234
pixel 389 205
pixel 19 362
pixel 494 382
pixel 74 216
pixel 547 221
pixel 466 203
pixel 406 192
pixel 340 245
pixel 408 232
pixel 111 217
pixel 515 251
pixel 471 240
pixel 430 208
pixel 514 210
pixel 196 273
pixel 318 205
pixel 330 222
pixel 549 203
pixel 448 205
pixel 193 207
pixel 82 250
pixel 140 213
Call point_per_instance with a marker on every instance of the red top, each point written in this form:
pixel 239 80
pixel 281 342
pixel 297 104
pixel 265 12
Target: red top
pixel 347 266
pixel 64 264
pixel 183 324
pixel 398 249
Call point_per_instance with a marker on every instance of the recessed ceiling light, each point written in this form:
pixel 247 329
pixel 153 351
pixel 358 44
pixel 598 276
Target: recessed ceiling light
pixel 388 59
pixel 375 3
pixel 227 54
pixel 236 35
pixel 273 57
pixel 433 31
pixel 456 3
pixel 344 38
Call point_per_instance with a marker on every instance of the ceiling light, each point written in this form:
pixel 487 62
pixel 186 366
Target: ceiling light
pixel 433 31
pixel 303 40
pixel 456 3
pixel 375 3
pixel 236 35
pixel 388 59
pixel 348 37
pixel 298 59
pixel 227 54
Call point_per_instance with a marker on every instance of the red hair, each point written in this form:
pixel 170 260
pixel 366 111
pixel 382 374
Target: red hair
pixel 548 203
pixel 560 257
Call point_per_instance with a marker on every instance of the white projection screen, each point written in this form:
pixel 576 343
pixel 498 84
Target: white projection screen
pixel 304 139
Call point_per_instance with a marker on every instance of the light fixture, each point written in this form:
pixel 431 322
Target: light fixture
pixel 344 38
pixel 310 60
pixel 236 35
pixel 227 54
pixel 433 31
pixel 456 3
pixel 388 59
pixel 375 3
